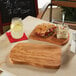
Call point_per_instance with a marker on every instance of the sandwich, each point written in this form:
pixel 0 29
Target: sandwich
pixel 45 30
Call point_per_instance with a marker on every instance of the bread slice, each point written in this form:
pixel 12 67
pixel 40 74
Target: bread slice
pixel 43 28
pixel 47 56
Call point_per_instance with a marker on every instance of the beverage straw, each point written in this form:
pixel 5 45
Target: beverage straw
pixel 63 18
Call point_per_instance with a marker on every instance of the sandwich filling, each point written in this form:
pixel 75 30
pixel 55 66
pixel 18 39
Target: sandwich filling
pixel 45 30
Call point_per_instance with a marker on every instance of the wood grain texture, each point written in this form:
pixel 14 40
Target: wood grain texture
pixel 47 56
pixel 64 3
pixel 50 39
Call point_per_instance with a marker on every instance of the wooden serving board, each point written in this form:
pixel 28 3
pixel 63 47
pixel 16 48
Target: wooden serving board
pixel 47 56
pixel 50 39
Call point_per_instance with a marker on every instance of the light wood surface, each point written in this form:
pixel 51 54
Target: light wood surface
pixel 45 56
pixel 68 62
pixel 50 39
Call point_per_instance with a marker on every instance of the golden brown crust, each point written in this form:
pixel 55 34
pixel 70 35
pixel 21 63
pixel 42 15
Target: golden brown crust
pixel 42 28
pixel 47 56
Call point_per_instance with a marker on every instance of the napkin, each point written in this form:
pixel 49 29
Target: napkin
pixel 73 47
pixel 11 39
pixel 73 43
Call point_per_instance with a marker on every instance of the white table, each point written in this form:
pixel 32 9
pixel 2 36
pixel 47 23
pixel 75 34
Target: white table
pixel 68 66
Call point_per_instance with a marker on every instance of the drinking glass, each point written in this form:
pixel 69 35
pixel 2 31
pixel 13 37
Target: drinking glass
pixel 16 28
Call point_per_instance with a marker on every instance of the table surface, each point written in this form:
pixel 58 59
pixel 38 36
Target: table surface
pixel 68 65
